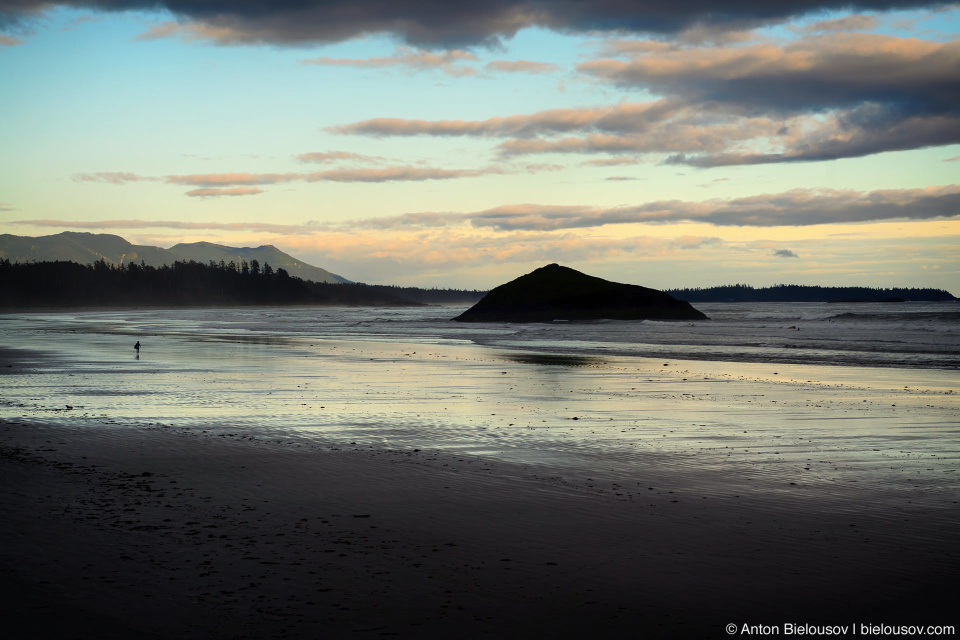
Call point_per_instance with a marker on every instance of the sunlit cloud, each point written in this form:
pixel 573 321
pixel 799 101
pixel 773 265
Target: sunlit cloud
pixel 621 118
pixel 9 41
pixel 797 207
pixel 230 191
pixel 212 184
pixel 521 66
pixel 612 162
pixel 392 174
pixel 227 179
pixel 327 157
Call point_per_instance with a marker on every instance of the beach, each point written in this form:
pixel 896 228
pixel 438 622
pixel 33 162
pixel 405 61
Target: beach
pixel 390 480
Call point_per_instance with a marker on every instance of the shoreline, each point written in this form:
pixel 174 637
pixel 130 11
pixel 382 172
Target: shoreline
pixel 172 534
pixel 237 481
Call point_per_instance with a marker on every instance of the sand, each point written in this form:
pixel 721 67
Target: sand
pixel 793 495
pixel 115 533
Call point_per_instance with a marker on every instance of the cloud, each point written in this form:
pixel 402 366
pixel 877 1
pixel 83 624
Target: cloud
pixel 798 207
pixel 325 157
pixel 612 162
pixel 6 206
pixel 258 227
pixel 865 131
pixel 231 191
pixel 378 174
pixel 437 23
pixel 215 180
pixel 111 177
pixel 823 97
pixel 415 59
pixel 620 118
pixel 855 22
pixel 393 174
pixel 953 159
pixel 214 184
pixel 9 41
pixel 826 71
pixel 785 253
pixel 521 66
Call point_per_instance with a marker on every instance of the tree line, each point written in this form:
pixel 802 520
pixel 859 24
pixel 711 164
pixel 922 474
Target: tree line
pixel 190 283
pixel 805 293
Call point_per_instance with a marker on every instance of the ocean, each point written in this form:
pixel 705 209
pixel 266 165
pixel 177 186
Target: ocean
pixel 815 399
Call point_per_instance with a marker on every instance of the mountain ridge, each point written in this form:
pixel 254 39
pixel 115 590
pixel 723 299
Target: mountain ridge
pixel 88 248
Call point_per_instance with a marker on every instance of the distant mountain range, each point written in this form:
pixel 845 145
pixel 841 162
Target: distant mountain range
pixel 87 248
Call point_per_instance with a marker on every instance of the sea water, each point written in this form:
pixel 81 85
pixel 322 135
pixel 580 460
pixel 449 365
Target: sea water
pixel 804 398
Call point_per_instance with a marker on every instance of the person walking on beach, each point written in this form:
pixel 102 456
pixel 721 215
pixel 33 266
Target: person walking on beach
pixel 137 347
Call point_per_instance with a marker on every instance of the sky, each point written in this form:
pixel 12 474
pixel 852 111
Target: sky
pixel 689 143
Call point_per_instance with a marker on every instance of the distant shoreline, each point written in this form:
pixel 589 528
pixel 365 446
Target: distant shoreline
pixel 810 293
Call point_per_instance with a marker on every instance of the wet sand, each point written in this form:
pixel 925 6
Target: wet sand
pixel 521 500
pixel 122 532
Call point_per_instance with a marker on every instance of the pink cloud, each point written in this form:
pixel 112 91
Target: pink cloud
pixel 226 179
pixel 231 191
pixel 323 157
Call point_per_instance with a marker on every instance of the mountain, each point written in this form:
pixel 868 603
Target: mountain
pixel 560 293
pixel 87 248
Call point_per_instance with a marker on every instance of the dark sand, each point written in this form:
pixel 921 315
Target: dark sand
pixel 120 533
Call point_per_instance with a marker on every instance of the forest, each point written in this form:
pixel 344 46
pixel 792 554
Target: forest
pixel 64 284
pixel 805 293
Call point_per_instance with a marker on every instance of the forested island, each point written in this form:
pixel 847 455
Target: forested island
pixel 62 284
pixel 804 293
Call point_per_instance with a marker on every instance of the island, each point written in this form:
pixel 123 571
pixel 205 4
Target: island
pixel 556 293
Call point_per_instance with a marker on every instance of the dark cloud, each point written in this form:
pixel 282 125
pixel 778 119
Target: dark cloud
pixel 785 253
pixel 824 97
pixel 799 207
pixel 840 70
pixel 444 23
